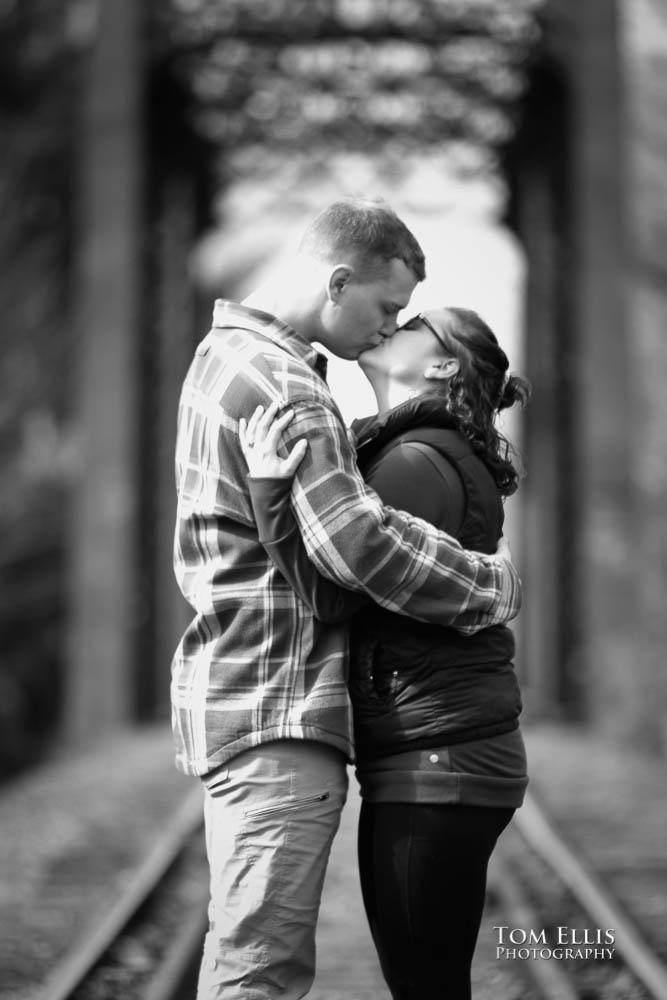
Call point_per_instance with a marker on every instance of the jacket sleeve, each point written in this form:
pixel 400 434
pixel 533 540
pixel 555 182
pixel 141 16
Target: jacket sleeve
pixel 401 562
pixel 279 534
pixel 415 478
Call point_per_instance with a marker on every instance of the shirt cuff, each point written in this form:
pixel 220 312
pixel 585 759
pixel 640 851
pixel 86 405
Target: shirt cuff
pixel 270 496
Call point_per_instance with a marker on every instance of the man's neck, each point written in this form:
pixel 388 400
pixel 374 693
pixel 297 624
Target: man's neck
pixel 289 300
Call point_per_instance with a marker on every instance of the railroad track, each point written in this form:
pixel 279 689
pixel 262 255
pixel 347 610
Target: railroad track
pixel 149 945
pixel 562 928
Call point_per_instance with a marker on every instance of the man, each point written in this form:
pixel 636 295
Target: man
pixel 260 705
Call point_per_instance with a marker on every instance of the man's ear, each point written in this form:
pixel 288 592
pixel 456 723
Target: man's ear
pixel 339 279
pixel 443 370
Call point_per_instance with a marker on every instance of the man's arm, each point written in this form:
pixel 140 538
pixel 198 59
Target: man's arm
pixel 279 534
pixel 401 562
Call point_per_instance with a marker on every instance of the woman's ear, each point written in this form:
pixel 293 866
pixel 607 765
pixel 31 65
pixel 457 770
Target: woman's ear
pixel 339 278
pixel 443 370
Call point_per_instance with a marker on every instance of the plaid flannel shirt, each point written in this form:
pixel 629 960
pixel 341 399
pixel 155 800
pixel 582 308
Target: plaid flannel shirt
pixel 255 665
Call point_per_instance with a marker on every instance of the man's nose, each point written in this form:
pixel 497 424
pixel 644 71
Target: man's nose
pixel 389 327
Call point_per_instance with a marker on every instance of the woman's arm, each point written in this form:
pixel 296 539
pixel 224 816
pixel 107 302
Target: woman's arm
pixel 279 534
pixel 270 484
pixel 414 477
pixel 402 562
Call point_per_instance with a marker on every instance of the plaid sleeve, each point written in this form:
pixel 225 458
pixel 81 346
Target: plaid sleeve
pixel 401 562
pixel 279 534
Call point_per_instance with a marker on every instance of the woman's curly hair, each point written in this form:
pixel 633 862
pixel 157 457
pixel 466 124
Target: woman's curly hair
pixel 480 389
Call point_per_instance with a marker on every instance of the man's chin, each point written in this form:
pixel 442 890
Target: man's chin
pixel 366 356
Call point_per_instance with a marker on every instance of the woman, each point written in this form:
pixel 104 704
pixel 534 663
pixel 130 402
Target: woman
pixel 440 758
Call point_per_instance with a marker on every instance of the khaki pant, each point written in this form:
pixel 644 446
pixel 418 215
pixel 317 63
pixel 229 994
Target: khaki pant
pixel 271 816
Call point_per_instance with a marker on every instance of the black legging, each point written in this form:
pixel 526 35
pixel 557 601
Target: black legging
pixel 423 880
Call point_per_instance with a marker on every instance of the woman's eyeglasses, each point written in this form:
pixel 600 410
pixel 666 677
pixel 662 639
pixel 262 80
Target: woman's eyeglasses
pixel 427 323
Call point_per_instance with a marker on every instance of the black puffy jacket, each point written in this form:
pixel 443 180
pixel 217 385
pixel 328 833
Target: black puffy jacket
pixel 413 684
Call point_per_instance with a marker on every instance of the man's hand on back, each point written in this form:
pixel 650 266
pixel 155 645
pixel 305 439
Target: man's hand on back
pixel 503 550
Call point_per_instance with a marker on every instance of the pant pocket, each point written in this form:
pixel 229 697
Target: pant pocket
pixel 216 782
pixel 285 805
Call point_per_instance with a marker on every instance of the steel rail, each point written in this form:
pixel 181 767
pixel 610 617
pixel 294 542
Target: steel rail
pixel 538 831
pixel 550 980
pixel 532 824
pixel 74 968
pixel 170 980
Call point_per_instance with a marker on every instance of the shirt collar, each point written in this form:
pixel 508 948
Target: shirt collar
pixel 232 315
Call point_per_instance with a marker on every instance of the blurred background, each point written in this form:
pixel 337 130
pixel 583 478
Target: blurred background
pixel 158 155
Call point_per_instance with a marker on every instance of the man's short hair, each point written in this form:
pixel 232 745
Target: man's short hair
pixel 367 234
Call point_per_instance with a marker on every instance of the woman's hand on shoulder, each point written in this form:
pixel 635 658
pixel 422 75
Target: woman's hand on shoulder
pixel 259 443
